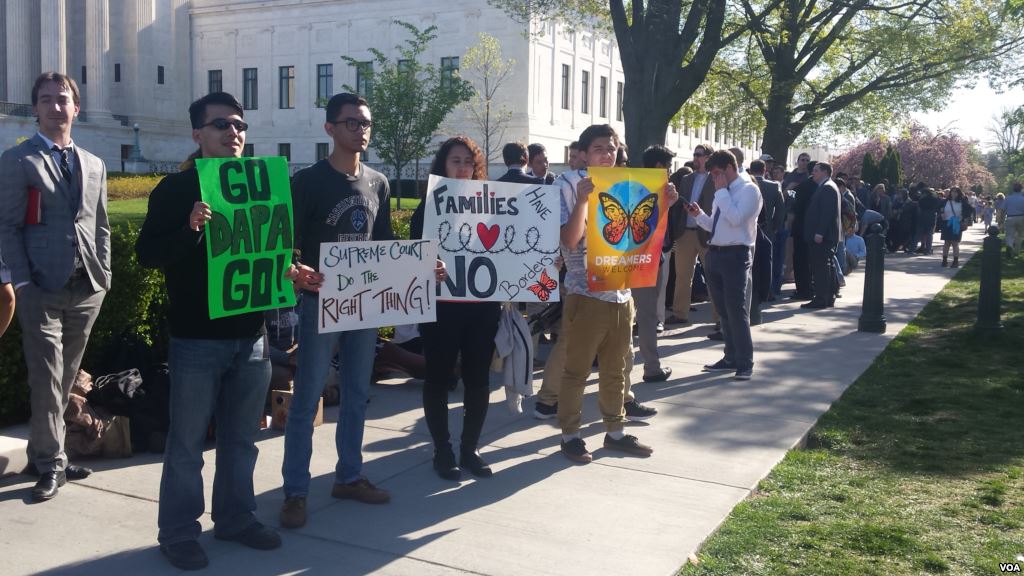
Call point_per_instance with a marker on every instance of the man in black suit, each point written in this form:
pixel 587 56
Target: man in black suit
pixel 514 154
pixel 821 233
pixel 771 219
pixel 538 161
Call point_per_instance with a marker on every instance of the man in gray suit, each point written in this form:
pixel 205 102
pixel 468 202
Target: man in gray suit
pixel 821 233
pixel 56 242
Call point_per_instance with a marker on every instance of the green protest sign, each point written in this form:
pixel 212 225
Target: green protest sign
pixel 249 239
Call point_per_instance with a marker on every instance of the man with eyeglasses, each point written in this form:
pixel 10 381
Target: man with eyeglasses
pixel 219 368
pixel 56 243
pixel 690 240
pixel 338 199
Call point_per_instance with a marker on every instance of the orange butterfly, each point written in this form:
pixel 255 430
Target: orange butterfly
pixel 641 221
pixel 543 287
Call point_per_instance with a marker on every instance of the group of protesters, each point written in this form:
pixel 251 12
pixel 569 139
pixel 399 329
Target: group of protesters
pixel 736 234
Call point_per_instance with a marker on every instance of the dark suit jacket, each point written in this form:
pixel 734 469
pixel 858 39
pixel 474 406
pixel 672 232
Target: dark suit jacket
pixel 823 215
pixel 773 211
pixel 677 213
pixel 520 177
pixel 44 253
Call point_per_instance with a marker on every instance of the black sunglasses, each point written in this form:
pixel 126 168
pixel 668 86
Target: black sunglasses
pixel 354 124
pixel 698 154
pixel 223 123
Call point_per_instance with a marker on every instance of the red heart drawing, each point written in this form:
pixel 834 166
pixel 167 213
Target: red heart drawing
pixel 488 236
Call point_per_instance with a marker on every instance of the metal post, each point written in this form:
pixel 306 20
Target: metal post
pixel 872 317
pixel 990 294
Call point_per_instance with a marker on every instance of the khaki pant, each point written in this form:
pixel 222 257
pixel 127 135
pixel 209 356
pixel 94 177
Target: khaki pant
pixel 686 251
pixel 593 327
pixel 1014 226
pixel 555 366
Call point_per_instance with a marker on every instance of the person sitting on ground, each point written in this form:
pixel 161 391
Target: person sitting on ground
pixel 856 250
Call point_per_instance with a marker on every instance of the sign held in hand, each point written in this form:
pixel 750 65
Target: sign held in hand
pixel 249 238
pixel 376 283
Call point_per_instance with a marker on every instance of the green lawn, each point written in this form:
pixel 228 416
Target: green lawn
pixel 917 469
pixel 134 210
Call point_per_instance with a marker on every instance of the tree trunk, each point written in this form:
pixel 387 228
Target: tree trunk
pixel 398 186
pixel 780 130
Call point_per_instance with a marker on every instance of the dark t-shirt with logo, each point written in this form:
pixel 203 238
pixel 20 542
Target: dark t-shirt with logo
pixel 331 206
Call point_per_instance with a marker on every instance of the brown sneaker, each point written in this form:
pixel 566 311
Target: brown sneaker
pixel 361 490
pixel 293 512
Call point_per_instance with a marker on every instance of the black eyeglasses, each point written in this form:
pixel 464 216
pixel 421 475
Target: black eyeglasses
pixel 223 123
pixel 354 124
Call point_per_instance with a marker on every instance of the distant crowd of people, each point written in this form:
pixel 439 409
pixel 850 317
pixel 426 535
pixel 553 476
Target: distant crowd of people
pixel 736 234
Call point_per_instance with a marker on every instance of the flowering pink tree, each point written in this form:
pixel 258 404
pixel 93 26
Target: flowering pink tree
pixel 940 161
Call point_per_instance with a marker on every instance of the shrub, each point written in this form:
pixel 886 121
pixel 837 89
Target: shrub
pixel 122 186
pixel 134 307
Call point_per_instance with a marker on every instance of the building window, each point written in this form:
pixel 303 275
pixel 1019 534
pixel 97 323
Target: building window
pixel 250 89
pixel 323 150
pixel 449 66
pixel 707 132
pixel 215 80
pixel 286 87
pixel 248 151
pixel 675 129
pixel 585 96
pixel 565 87
pixel 117 72
pixel 285 149
pixel 159 74
pixel 84 77
pixel 618 101
pixel 603 99
pixel 324 83
pixel 364 78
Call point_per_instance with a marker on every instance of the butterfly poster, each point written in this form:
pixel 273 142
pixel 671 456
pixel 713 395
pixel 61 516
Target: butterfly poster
pixel 628 214
pixel 498 240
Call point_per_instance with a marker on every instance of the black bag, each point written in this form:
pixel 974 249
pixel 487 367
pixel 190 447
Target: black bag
pixel 118 394
pixel 153 415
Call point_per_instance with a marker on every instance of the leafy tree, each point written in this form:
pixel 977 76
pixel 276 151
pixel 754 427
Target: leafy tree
pixel 1007 130
pixel 854 66
pixel 409 99
pixel 485 67
pixel 667 48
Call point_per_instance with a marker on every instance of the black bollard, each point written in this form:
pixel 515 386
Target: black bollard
pixel 872 318
pixel 990 295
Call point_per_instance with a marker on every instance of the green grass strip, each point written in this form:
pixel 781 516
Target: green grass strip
pixel 917 469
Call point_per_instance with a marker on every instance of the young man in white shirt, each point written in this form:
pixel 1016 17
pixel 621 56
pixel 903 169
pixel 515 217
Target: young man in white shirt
pixel 732 226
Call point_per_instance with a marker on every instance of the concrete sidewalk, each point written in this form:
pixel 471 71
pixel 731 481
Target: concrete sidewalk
pixel 714 439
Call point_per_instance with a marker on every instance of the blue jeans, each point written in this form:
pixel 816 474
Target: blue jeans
pixel 226 380
pixel 355 351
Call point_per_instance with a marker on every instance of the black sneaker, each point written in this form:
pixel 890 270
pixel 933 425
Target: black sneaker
pixel 187 555
pixel 256 536
pixel 542 411
pixel 576 451
pixel 637 412
pixel 716 335
pixel 745 374
pixel 629 444
pixel 720 366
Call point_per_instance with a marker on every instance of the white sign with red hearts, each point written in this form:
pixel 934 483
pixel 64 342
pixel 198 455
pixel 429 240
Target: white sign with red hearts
pixel 499 240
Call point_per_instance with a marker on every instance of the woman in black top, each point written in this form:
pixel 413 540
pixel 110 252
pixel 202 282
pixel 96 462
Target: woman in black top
pixel 461 327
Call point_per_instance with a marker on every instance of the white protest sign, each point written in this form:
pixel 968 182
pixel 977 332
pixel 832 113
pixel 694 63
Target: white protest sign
pixel 373 284
pixel 498 240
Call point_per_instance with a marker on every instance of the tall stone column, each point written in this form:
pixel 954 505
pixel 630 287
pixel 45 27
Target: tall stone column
pixel 20 49
pixel 53 36
pixel 97 45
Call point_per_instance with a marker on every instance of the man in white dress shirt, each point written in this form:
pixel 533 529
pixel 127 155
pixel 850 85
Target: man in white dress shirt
pixel 733 227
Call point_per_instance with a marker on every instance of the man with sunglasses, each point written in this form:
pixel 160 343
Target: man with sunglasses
pixel 690 240
pixel 338 199
pixel 219 368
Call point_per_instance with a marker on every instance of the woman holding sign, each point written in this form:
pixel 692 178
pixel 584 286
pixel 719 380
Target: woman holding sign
pixel 466 328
